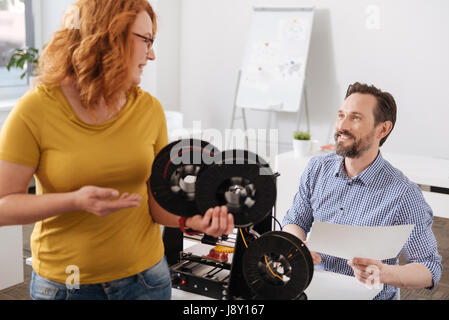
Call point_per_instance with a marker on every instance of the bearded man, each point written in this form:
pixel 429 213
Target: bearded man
pixel 357 186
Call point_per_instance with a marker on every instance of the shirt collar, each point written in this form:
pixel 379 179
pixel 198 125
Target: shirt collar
pixel 366 176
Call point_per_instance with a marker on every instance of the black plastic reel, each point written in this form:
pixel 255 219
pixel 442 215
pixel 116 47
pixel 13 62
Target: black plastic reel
pixel 174 174
pixel 277 266
pixel 243 182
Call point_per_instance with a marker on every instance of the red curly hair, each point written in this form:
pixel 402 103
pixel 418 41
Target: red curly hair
pixel 96 52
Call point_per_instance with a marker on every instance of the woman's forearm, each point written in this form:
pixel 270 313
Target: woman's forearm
pixel 216 221
pixel 166 218
pixel 19 209
pixel 160 215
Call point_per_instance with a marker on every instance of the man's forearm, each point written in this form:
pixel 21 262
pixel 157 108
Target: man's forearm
pixel 295 230
pixel 410 276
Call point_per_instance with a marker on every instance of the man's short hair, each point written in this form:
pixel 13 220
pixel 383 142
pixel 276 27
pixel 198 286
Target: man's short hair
pixel 386 106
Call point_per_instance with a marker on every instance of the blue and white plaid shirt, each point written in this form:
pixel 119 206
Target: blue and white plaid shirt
pixel 379 196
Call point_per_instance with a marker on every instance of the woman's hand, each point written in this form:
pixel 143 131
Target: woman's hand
pixel 100 202
pixel 215 222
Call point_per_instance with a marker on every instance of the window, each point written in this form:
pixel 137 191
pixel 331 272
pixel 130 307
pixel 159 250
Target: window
pixel 15 32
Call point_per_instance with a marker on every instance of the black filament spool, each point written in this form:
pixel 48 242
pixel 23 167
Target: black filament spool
pixel 242 181
pixel 281 251
pixel 174 173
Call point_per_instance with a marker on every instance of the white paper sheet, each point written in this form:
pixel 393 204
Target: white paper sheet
pixel 334 286
pixel 349 242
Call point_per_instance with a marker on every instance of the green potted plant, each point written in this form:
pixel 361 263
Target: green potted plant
pixel 301 143
pixel 26 59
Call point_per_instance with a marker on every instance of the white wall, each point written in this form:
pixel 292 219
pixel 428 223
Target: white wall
pixel 168 52
pixel 11 256
pixel 407 56
pixel 51 17
pixel 200 46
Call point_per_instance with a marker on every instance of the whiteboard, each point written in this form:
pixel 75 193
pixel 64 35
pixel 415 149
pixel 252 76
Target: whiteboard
pixel 274 64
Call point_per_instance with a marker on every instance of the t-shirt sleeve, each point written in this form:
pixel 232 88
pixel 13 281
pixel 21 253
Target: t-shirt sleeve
pixel 162 137
pixel 19 137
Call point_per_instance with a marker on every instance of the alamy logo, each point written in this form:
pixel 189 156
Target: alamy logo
pixel 71 19
pixel 73 280
pixel 372 21
pixel 373 280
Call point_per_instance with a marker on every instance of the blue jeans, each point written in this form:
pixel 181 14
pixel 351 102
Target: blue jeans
pixel 151 284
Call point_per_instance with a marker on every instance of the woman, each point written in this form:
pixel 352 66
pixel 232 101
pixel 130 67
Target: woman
pixel 89 135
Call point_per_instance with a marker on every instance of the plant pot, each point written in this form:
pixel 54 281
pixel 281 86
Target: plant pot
pixel 301 148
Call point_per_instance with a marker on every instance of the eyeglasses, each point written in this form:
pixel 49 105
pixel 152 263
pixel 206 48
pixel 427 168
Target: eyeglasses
pixel 148 41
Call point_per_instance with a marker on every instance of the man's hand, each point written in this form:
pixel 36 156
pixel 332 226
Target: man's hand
pixel 369 271
pixel 372 272
pixel 315 257
pixel 100 202
pixel 300 234
pixel 215 222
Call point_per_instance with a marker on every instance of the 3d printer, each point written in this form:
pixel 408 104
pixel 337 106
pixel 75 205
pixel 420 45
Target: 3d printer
pixel 190 176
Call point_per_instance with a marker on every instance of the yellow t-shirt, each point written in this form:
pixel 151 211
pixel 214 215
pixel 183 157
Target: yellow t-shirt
pixel 42 131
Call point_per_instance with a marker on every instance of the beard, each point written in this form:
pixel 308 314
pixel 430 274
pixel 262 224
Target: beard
pixel 355 149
